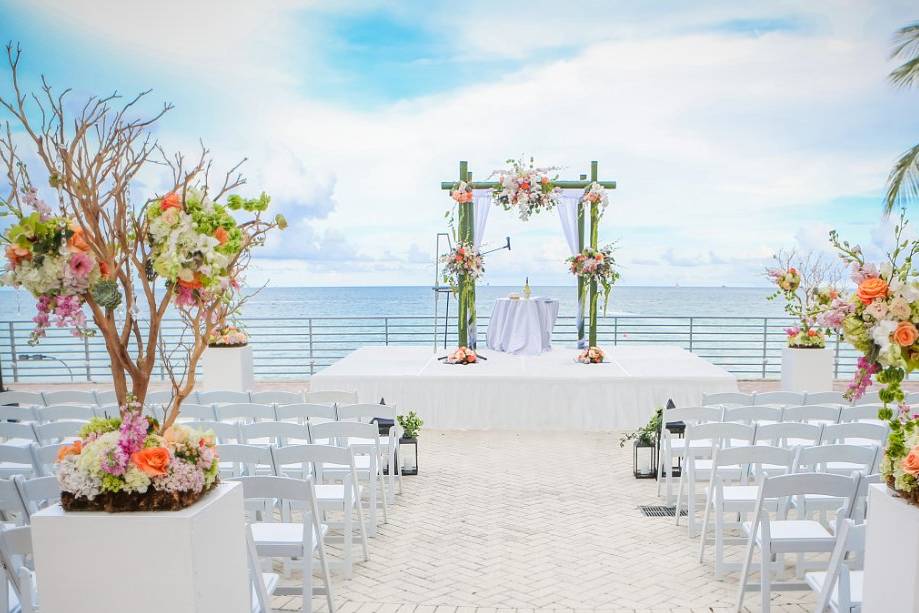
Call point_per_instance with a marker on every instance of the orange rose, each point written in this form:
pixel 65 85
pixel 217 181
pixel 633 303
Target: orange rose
pixel 470 357
pixel 193 284
pixel 67 450
pixel 871 289
pixel 906 334
pixel 221 235
pixel 77 241
pixel 16 254
pixel 911 461
pixel 153 461
pixel 104 270
pixel 170 201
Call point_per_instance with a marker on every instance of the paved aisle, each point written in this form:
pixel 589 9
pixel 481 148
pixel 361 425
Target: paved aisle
pixel 498 520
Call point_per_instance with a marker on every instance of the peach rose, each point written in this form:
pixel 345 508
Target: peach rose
pixel 175 435
pixel 470 357
pixel 195 282
pixel 104 269
pixel 911 461
pixel 906 334
pixel 170 201
pixel 221 235
pixel 16 254
pixel 871 289
pixel 77 241
pixel 67 450
pixel 153 461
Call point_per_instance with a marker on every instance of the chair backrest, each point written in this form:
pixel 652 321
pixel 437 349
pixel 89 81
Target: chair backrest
pixel 824 398
pixel 27 399
pixel 276 397
pixel 800 484
pixel 20 413
pixel 222 397
pixel 339 433
pixel 309 459
pixel 225 432
pixel 11 506
pixel 244 412
pixel 869 398
pixel 330 397
pixel 245 458
pixel 106 397
pixel 64 412
pixel 304 411
pixel 753 457
pixel 18 454
pixel 816 458
pixel 15 556
pixel 44 457
pixel 365 411
pixel 779 435
pixel 83 397
pixel 691 415
pixel 781 398
pixel 276 432
pixel 727 399
pixel 58 431
pixel 812 413
pixel 10 430
pixel 912 398
pixel 751 414
pixel 860 509
pixel 855 433
pixel 161 397
pixel 850 539
pixel 861 412
pixel 37 493
pixel 204 412
pixel 719 433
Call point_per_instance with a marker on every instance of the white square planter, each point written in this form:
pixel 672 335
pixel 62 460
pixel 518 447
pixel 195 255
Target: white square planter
pixel 807 370
pixel 188 561
pixel 891 553
pixel 227 368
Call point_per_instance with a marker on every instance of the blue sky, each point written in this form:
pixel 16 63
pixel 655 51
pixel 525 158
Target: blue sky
pixel 732 129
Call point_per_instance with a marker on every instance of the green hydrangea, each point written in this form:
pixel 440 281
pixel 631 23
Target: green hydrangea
pixel 100 425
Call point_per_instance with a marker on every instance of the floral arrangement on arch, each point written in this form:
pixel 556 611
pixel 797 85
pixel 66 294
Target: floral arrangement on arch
pixel 462 193
pixel 596 265
pixel 466 260
pixel 228 336
pixel 591 355
pixel 525 188
pixel 596 194
pixel 126 464
pixel 809 286
pixel 462 355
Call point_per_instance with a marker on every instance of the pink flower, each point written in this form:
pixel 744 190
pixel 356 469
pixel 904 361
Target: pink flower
pixel 81 264
pixel 185 296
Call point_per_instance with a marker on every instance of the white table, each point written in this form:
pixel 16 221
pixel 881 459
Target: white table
pixel 522 327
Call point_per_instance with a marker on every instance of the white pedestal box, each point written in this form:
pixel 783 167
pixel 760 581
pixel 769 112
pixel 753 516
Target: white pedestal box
pixel 188 561
pixel 891 553
pixel 807 370
pixel 227 368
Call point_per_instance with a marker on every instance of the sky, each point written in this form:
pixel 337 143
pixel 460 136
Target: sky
pixel 732 129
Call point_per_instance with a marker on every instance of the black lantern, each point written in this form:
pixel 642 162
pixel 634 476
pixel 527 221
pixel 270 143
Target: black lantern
pixel 408 455
pixel 644 458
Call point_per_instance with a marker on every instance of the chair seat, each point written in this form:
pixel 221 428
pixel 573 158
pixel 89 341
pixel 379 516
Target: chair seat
pixel 282 538
pixel 856 582
pixel 743 498
pixel 271 584
pixel 844 468
pixel 333 492
pixel 795 535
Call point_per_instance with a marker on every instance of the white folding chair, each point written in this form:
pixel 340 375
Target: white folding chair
pixel 812 413
pixel 44 457
pixel 276 397
pixel 23 399
pixel 389 442
pixel 244 460
pixel 245 412
pixel 840 586
pixel 105 397
pixel 726 399
pixel 288 539
pixel 856 433
pixel 309 461
pixel 17 433
pixel 225 432
pixel 824 398
pixel 262 585
pixel 737 496
pixel 37 493
pixel 869 398
pixel 16 460
pixel 223 397
pixel 17 413
pixel 303 412
pixel 69 412
pixel 778 399
pixel 12 510
pixel 789 434
pixel 912 398
pixel 16 559
pixel 58 432
pixel 672 448
pixel 330 397
pixel 81 397
pixel 364 441
pixel 780 536
pixel 698 462
pixel 865 413
pixel 198 412
pixel 845 460
pixel 752 415
pixel 162 397
pixel 278 433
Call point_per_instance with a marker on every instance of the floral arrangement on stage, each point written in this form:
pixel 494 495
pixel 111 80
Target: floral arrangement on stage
pixel 596 265
pixel 462 193
pixel 466 260
pixel 596 194
pixel 125 464
pixel 462 355
pixel 809 287
pixel 228 336
pixel 591 355
pixel 526 188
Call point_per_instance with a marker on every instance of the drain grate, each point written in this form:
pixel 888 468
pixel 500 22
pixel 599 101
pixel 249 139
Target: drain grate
pixel 659 511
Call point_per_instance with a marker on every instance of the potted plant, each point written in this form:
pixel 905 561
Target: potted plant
pixel 644 465
pixel 809 286
pixel 411 425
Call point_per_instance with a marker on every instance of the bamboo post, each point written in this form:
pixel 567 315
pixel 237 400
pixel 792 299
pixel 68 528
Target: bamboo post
pixel 594 233
pixel 465 311
pixel 582 285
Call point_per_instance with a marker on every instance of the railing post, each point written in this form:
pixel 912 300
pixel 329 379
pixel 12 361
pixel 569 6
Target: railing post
pixel 615 331
pixel 386 329
pixel 836 360
pixel 13 360
pixel 309 323
pixel 690 334
pixel 765 344
pixel 89 372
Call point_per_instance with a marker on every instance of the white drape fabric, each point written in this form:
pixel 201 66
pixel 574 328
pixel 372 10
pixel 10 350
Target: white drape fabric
pixel 568 213
pixel 482 200
pixel 522 327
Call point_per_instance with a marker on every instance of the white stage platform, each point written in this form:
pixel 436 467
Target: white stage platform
pixel 548 391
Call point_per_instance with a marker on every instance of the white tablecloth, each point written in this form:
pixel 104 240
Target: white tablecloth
pixel 522 327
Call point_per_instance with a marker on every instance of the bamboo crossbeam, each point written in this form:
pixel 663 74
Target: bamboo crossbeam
pixel 446 185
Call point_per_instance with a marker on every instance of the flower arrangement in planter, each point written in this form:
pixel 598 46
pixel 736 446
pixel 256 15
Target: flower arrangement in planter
pixel 525 188
pixel 126 464
pixel 228 336
pixel 809 287
pixel 900 464
pixel 462 355
pixel 411 424
pixel 126 259
pixel 591 355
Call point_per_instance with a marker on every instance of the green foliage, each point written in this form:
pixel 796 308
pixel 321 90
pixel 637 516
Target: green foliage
pixel 647 434
pixel 236 202
pixel 111 483
pixel 903 182
pixel 99 426
pixel 411 424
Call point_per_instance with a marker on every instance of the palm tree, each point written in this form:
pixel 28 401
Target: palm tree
pixel 903 182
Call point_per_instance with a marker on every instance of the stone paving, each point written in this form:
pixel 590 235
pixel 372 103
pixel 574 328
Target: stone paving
pixel 501 521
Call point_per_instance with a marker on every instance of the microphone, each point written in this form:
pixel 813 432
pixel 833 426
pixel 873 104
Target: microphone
pixel 508 242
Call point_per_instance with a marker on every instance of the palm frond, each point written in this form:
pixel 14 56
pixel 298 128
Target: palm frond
pixel 903 182
pixel 906 49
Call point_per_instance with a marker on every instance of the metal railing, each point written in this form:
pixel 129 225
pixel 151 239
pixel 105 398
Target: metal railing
pixel 283 348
